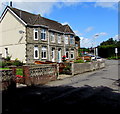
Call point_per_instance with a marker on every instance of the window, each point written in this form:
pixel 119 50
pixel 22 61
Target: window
pixel 71 39
pixel 35 34
pixel 36 52
pixel 66 39
pixel 6 52
pixel 44 53
pixel 67 54
pixel 43 34
pixel 72 55
pixel 59 38
pixel 52 36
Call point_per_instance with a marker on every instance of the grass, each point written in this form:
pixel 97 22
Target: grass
pixel 4 68
pixel 19 71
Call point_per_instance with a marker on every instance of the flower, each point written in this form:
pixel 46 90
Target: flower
pixel 19 76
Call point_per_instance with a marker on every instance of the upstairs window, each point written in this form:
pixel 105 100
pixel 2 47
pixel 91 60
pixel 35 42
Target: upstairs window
pixel 59 38
pixel 36 52
pixel 35 34
pixel 43 34
pixel 71 39
pixel 52 36
pixel 44 53
pixel 66 39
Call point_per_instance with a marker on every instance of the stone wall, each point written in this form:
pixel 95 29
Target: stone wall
pixel 7 79
pixel 78 68
pixel 40 74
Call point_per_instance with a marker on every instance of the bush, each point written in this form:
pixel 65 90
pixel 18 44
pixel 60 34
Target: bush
pixel 113 57
pixel 79 61
pixel 5 63
pixel 17 63
pixel 8 58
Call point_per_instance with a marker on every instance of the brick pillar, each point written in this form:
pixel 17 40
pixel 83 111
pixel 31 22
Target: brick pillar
pixel 26 75
pixel 12 85
pixel 13 70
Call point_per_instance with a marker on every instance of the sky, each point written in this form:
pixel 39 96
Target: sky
pixel 94 21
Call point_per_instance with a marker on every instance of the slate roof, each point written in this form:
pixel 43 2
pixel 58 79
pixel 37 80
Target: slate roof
pixel 33 20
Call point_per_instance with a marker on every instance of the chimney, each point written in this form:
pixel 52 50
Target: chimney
pixel 10 3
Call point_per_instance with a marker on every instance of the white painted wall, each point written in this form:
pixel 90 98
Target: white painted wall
pixel 11 38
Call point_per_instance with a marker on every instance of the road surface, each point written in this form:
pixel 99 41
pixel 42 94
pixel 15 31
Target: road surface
pixel 91 92
pixel 103 77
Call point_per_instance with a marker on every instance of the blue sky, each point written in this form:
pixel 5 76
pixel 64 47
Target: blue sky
pixel 93 22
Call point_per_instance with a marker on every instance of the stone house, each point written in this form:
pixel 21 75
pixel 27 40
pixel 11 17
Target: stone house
pixel 30 37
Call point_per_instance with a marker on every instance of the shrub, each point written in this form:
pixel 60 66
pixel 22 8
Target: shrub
pixel 79 61
pixel 8 58
pixel 17 63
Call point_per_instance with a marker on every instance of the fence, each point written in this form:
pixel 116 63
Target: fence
pixel 40 74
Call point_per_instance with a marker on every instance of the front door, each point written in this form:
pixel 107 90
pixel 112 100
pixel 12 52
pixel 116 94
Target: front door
pixel 59 55
pixel 53 55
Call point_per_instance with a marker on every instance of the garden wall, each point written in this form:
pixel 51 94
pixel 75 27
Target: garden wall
pixel 7 79
pixel 78 68
pixel 40 74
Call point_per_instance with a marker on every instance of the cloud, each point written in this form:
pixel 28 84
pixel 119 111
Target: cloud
pixel 116 37
pixel 111 5
pixel 100 34
pixel 65 23
pixel 89 29
pixel 85 42
pixel 78 33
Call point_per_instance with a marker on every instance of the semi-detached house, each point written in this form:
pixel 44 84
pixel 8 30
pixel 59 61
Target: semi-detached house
pixel 30 37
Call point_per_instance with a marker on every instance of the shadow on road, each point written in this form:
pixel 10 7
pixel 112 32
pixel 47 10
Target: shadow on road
pixel 37 99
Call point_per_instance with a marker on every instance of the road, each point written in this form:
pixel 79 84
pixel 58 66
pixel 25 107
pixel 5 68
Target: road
pixel 103 77
pixel 91 92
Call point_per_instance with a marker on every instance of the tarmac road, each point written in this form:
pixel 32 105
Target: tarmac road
pixel 104 77
pixel 91 92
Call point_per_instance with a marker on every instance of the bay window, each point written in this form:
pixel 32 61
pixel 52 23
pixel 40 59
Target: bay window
pixel 71 39
pixel 35 34
pixel 59 38
pixel 43 34
pixel 52 36
pixel 66 39
pixel 44 53
pixel 36 52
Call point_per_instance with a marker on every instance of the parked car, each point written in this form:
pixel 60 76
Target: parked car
pixel 92 57
pixel 99 58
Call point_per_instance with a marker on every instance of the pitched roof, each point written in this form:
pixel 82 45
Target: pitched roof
pixel 33 20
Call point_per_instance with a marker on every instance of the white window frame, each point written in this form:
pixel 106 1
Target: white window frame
pixel 44 49
pixel 52 36
pixel 36 49
pixel 35 31
pixel 59 38
pixel 6 52
pixel 66 54
pixel 72 52
pixel 43 31
pixel 71 39
pixel 66 39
